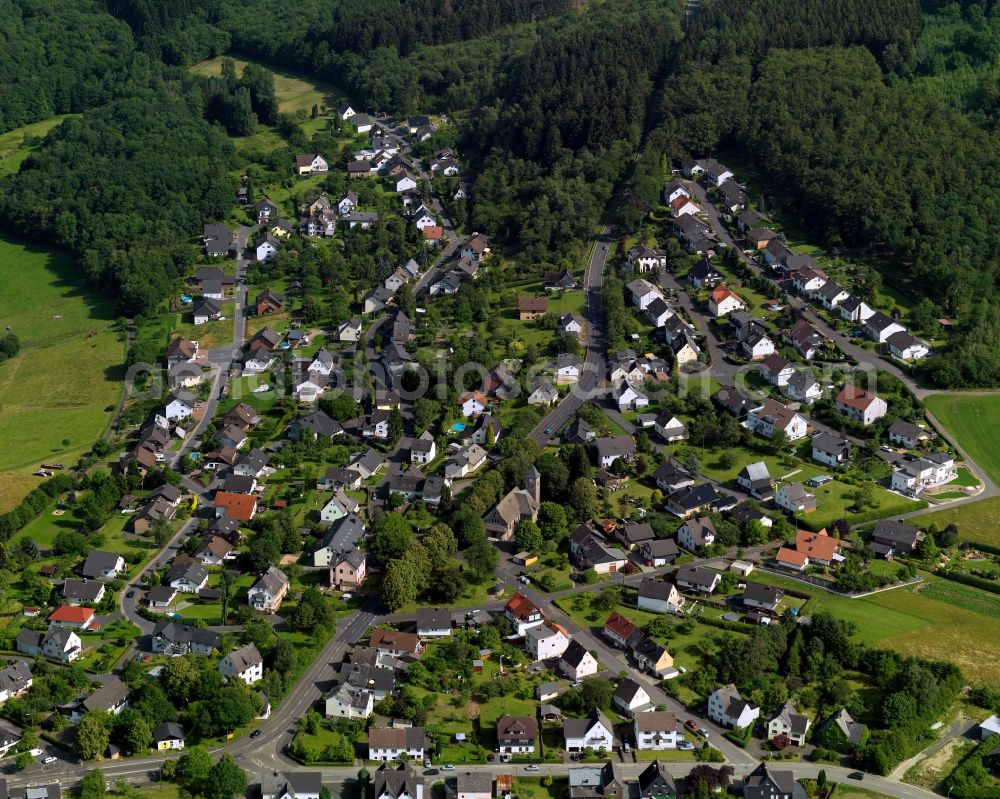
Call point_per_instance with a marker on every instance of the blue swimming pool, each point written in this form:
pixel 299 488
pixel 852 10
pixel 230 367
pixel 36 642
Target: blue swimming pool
pixel 186 298
pixel 458 427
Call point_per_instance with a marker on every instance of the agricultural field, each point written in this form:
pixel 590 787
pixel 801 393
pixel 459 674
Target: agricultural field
pixel 972 420
pixel 62 328
pixel 977 522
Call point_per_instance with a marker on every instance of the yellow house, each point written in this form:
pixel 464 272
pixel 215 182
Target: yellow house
pixel 168 736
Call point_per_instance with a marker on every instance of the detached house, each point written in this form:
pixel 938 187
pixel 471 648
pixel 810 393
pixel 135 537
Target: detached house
pixel 547 640
pixel 619 630
pixel 696 534
pixel 722 301
pixel 793 498
pixel 391 743
pixel 728 708
pixel 755 480
pixel 244 663
pixel 523 613
pixel 788 721
pixel 310 164
pixel 857 404
pixel 103 565
pixel 697 578
pixel 349 570
pixel 643 293
pixel 772 417
pixel 659 596
pixel 58 643
pixel 267 593
pixel 630 698
pixel 879 327
pixel 517 735
pixel 594 732
pixel 855 309
pixel 766 783
pixel 654 731
pixel 576 662
pixel 831 450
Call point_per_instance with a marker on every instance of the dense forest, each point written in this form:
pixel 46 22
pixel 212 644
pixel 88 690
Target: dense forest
pixel 57 58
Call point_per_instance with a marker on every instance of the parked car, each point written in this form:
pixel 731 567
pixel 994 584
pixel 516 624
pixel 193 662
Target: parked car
pixel 691 724
pixel 856 775
pixel 685 746
pixel 449 767
pixel 431 772
pixel 532 767
pixel 703 732
pixel 50 760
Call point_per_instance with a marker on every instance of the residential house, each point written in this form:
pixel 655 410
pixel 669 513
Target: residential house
pixel 568 368
pixel 659 596
pixel 659 552
pixel 612 448
pixel 791 559
pixel 423 449
pixel 391 743
pixel 268 591
pixel 855 309
pixel 570 324
pixel 264 210
pixel 172 638
pixel 683 206
pixel 722 301
pixel 266 247
pixel 759 238
pixel 631 699
pixel 831 294
pixel 669 427
pixel 891 538
pixel 697 578
pixel 657 730
pixel 15 680
pixel 880 327
pixel 244 663
pixel 545 641
pixel 545 395
pixel 74 617
pixel 820 548
pixel 794 498
pixel 803 387
pixel 904 346
pixel 400 782
pixel 628 397
pixel 806 275
pixel 464 462
pixel 82 592
pixel 727 708
pixel 757 343
pixel 857 404
pixel 523 613
pixel 755 480
pixel 58 643
pixel 219 240
pixel 516 735
pixel 768 783
pixel 789 722
pixel 806 339
pixel 576 662
pixel 187 575
pixel 702 275
pixel 594 732
pixel 693 499
pixel 762 597
pixel 590 551
pixel 350 330
pixel 658 312
pixel 475 248
pixel 433 622
pixel 730 197
pixel 643 293
pixel 776 370
pixel 831 450
pixel 596 782
pixel 644 259
pixel 168 736
pixel 696 534
pixel 473 403
pixel 529 308
pixel 907 434
pixel 618 629
pixel 101 565
pixel 840 731
pixel 292 785
pixel 517 505
pixel 242 507
pixel 348 570
pixel 771 417
pixel 713 172
pixel 111 697
pixel 346 701
pixel 733 402
pixel 673 190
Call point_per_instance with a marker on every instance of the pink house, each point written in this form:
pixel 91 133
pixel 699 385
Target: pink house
pixel 349 570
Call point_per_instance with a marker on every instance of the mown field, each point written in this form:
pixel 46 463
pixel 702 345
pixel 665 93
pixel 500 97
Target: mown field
pixel 973 421
pixel 977 522
pixel 57 394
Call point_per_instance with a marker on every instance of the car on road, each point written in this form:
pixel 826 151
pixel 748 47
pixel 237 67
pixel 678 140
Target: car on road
pixel 856 775
pixel 449 767
pixel 50 760
pixel 626 747
pixel 34 752
pixel 431 772
pixel 130 594
pixel 691 724
pixel 532 767
pixel 256 734
pixel 548 431
pixel 703 732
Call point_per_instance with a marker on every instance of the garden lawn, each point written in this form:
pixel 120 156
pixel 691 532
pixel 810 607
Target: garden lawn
pixel 63 331
pixel 532 788
pixel 977 522
pixel 972 420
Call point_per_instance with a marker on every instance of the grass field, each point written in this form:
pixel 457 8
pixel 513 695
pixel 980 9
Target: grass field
pixel 977 522
pixel 295 92
pixel 13 149
pixel 973 421
pixel 57 394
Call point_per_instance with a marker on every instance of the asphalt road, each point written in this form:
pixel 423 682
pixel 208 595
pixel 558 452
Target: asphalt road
pixel 594 367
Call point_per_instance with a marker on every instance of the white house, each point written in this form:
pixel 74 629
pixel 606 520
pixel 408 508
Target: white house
pixel 266 247
pixel 567 369
pixel 423 449
pixel 696 534
pixel 656 730
pixel 855 309
pixel 548 640
pixel 831 450
pixel 659 596
pixel 523 613
pixel 880 327
pixel 576 662
pixel 643 293
pixel 628 397
pixel 928 471
pixel 728 708
pixel 405 182
pixel 244 663
pixel 669 428
pixel 473 403
pixel 594 732
pixel 177 409
pixel 857 404
pixel 771 417
pixel 788 721
pixel 722 301
pixel 348 702
pixel 391 743
pixel 544 395
pixel 907 348
pixel 793 498
pixel 629 698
